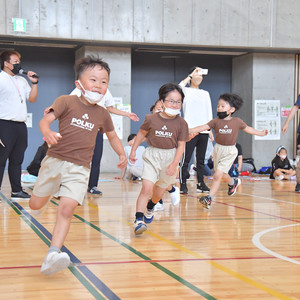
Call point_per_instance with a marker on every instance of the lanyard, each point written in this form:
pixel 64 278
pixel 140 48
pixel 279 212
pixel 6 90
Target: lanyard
pixel 15 84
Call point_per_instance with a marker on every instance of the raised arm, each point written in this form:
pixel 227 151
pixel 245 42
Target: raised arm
pixel 254 131
pixel 116 111
pixel 289 118
pixel 199 128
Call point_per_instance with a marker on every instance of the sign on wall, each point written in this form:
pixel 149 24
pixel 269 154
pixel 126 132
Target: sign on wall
pixel 267 116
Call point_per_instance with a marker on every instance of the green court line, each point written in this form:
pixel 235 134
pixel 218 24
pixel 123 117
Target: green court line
pixel 74 271
pixel 144 257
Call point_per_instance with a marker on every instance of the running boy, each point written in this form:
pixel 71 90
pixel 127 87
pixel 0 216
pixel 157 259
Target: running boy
pixel 226 130
pixel 166 134
pixel 65 170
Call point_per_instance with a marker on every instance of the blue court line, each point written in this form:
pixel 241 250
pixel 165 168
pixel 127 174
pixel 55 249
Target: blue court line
pixel 83 269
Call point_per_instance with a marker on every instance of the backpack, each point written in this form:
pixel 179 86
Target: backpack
pixel 248 162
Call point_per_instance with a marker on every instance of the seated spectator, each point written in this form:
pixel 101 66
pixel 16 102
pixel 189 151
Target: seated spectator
pixel 134 170
pixel 281 167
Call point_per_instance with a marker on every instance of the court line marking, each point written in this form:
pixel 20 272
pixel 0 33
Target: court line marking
pixel 256 241
pixel 216 265
pixel 92 283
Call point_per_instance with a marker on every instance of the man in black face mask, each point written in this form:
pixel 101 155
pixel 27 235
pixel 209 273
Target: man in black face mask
pixel 14 91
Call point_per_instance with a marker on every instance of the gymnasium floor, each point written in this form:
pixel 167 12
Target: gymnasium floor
pixel 245 247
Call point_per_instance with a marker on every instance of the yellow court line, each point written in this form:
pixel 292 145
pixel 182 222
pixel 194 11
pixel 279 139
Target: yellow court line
pixel 214 264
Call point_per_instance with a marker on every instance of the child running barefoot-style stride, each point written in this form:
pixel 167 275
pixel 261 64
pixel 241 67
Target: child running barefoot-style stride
pixel 226 130
pixel 65 169
pixel 166 134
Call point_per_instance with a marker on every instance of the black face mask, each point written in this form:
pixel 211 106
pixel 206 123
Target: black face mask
pixel 222 114
pixel 16 69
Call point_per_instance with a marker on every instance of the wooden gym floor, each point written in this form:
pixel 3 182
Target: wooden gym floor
pixel 245 247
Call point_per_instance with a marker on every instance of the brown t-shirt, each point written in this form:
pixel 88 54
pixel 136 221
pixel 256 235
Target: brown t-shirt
pixel 226 131
pixel 165 133
pixel 78 126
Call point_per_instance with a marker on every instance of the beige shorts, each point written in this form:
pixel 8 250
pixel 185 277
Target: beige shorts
pixel 224 157
pixel 156 162
pixel 62 177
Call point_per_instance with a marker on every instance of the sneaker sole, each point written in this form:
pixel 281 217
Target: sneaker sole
pixel 58 266
pixel 140 230
pixel 202 191
pixel 19 198
pixel 204 204
pixel 239 182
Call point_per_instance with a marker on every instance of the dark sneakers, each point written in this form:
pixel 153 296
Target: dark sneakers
pixel 202 187
pixel 183 188
pixel 232 188
pixel 297 189
pixel 20 195
pixel 94 191
pixel 206 201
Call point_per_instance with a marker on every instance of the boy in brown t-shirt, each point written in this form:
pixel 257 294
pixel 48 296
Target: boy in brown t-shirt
pixel 66 167
pixel 226 130
pixel 166 134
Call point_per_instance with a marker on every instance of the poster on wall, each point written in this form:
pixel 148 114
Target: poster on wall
pixel 267 116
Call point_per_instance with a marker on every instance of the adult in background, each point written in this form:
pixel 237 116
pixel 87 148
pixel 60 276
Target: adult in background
pixel 197 110
pixel 14 91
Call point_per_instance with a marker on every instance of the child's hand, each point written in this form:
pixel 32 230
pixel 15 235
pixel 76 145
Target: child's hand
pixel 131 157
pixel 265 132
pixel 52 137
pixel 122 162
pixel 171 170
pixel 192 135
pixel 133 117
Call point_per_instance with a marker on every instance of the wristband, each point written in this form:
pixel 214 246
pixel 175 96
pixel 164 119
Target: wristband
pixel 190 77
pixel 35 82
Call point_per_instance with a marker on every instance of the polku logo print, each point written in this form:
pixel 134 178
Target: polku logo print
pixel 82 123
pixel 163 133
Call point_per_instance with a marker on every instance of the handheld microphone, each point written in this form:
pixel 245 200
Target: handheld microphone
pixel 25 72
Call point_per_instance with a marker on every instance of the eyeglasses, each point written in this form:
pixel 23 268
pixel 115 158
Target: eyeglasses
pixel 173 102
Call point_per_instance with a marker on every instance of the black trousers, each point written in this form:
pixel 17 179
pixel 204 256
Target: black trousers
pixel 14 137
pixel 96 160
pixel 200 143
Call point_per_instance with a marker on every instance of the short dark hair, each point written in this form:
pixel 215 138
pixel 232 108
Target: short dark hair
pixel 89 62
pixel 5 56
pixel 167 88
pixel 233 100
pixel 131 137
pixel 153 106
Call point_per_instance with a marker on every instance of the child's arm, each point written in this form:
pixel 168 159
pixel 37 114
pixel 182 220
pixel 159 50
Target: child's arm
pixel 254 131
pixel 172 168
pixel 116 111
pixel 199 128
pixel 51 137
pixel 289 118
pixel 118 148
pixel 140 137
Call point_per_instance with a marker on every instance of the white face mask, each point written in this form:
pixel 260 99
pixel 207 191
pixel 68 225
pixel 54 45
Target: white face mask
pixel 282 157
pixel 171 111
pixel 91 97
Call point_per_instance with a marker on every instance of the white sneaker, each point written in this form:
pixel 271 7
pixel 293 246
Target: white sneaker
pixel 279 177
pixel 55 262
pixel 159 206
pixel 175 196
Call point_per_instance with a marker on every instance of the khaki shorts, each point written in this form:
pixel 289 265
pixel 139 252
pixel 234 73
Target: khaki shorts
pixel 224 157
pixel 62 177
pixel 156 162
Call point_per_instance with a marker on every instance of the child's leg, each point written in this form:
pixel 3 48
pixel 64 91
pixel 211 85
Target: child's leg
pixel 55 261
pixel 216 182
pixel 144 196
pixel 64 215
pixel 36 202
